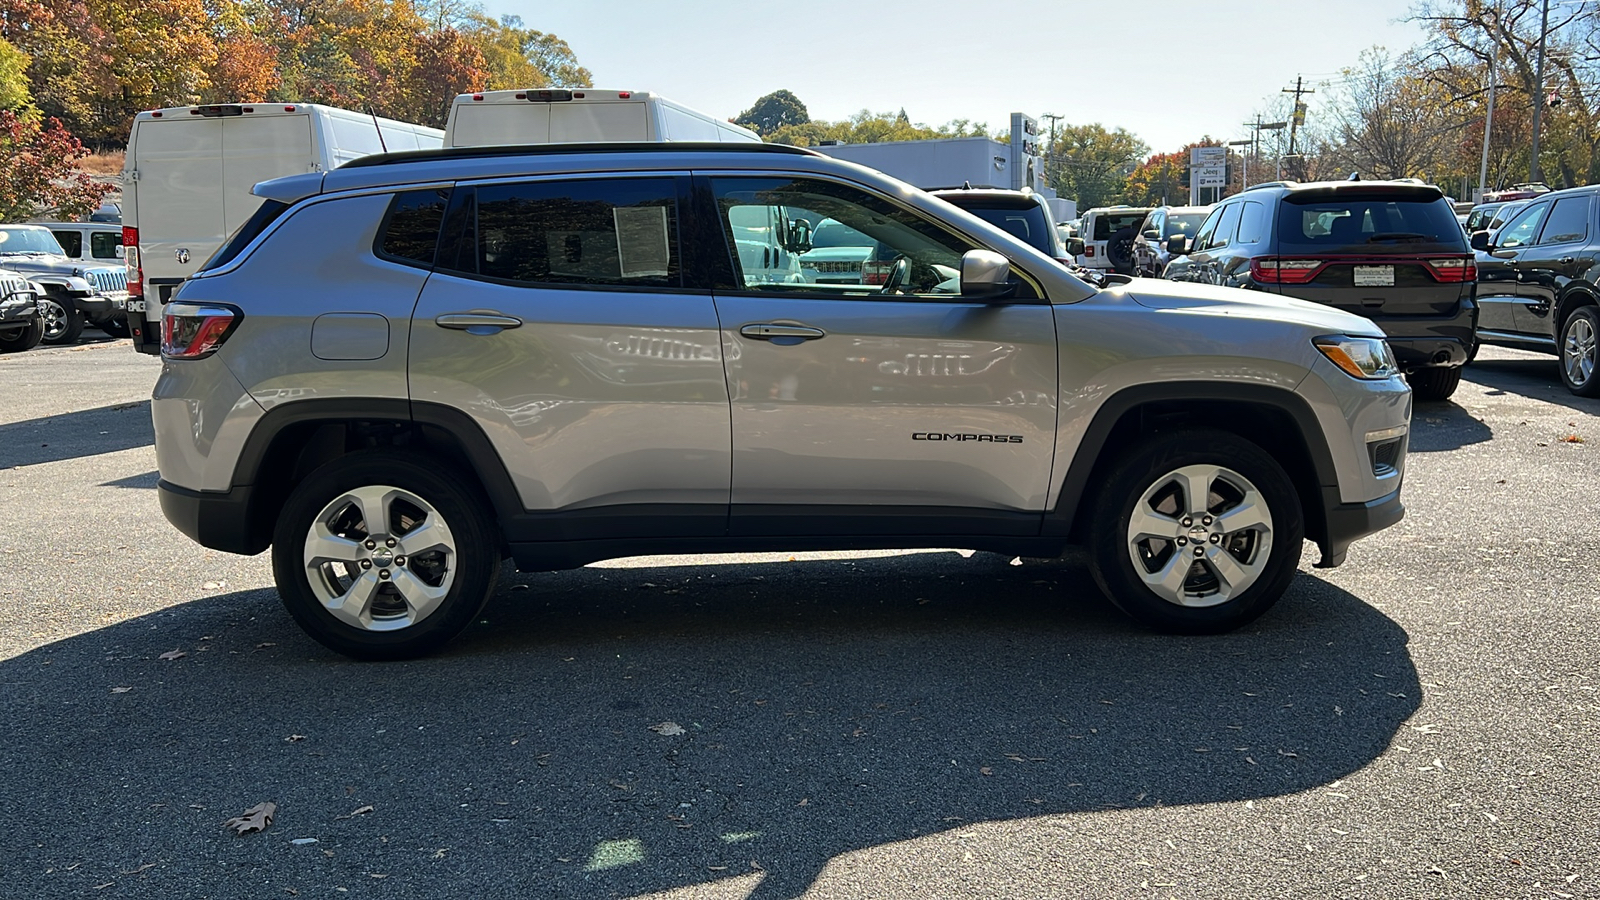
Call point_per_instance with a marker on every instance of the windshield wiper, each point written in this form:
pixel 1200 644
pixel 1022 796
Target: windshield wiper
pixel 1399 236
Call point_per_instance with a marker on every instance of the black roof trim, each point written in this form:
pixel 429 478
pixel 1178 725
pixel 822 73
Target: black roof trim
pixel 411 156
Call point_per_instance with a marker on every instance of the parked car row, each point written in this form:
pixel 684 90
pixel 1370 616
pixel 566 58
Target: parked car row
pixel 51 295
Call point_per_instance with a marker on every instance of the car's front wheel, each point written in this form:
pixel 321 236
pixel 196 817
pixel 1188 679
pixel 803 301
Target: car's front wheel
pixel 1578 352
pixel 380 555
pixel 63 321
pixel 1196 532
pixel 25 338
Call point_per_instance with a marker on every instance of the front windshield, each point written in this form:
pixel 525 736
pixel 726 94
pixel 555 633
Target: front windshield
pixel 29 240
pixel 1184 223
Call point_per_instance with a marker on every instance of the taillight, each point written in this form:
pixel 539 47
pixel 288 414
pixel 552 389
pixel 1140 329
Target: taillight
pixel 1272 270
pixel 195 331
pixel 876 271
pixel 130 258
pixel 1088 251
pixel 1453 269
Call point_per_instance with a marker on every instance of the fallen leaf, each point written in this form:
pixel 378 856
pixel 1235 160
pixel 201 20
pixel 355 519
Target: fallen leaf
pixel 173 654
pixel 140 869
pixel 121 690
pixel 986 771
pixel 668 729
pixel 358 811
pixel 256 818
pixel 1572 439
pixel 265 644
pixel 301 842
pixel 294 738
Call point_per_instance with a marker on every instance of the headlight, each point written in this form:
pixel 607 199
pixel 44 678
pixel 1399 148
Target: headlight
pixel 1360 357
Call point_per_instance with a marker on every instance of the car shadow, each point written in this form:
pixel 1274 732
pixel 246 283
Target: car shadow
pixel 106 429
pixel 618 731
pixel 1437 427
pixel 1531 376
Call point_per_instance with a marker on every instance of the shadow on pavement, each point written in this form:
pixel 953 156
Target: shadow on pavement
pixel 148 480
pixel 91 432
pixel 1534 377
pixel 826 706
pixel 1437 427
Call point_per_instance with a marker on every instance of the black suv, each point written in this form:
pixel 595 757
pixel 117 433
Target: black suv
pixel 1537 286
pixel 1388 250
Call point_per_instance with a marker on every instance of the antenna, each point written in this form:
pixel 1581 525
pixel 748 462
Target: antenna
pixel 381 145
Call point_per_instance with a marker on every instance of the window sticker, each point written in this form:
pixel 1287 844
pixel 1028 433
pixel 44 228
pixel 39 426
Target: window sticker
pixel 643 249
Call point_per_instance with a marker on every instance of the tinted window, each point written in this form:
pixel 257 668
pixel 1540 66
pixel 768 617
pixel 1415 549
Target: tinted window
pixel 1226 225
pixel 71 241
pixel 1183 223
pixel 1361 224
pixel 1568 222
pixel 1027 225
pixel 1207 228
pixel 756 215
pixel 608 231
pixel 1108 223
pixel 411 229
pixel 265 215
pixel 105 244
pixel 1253 222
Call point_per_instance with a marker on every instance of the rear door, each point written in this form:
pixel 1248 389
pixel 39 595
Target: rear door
pixel 895 408
pixel 1548 266
pixel 562 324
pixel 181 206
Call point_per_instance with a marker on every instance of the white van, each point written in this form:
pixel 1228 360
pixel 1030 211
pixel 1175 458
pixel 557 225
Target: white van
pixel 579 115
pixel 189 171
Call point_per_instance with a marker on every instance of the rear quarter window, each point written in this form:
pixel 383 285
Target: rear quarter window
pixel 410 232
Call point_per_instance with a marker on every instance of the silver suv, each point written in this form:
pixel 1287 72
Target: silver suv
pixel 404 370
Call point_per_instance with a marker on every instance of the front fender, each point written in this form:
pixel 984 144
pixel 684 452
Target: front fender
pixel 70 283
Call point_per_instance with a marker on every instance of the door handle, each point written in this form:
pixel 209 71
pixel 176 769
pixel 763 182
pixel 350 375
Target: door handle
pixel 477 323
pixel 767 331
pixel 1566 260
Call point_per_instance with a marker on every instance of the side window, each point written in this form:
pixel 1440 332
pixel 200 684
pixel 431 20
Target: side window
pixel 1152 223
pixel 1223 222
pixel 1568 222
pixel 900 251
pixel 105 244
pixel 1252 222
pixel 71 241
pixel 601 232
pixel 1519 231
pixel 1207 228
pixel 410 232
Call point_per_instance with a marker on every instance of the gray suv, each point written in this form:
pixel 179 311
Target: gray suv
pixel 404 370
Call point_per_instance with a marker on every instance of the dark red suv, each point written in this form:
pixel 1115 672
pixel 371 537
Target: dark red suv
pixel 1388 250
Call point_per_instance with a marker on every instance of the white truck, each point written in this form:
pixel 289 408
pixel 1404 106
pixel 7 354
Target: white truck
pixel 579 115
pixel 189 171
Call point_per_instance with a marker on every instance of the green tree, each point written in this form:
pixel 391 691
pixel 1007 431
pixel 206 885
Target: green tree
pixel 14 92
pixel 39 171
pixel 870 128
pixel 1091 164
pixel 772 112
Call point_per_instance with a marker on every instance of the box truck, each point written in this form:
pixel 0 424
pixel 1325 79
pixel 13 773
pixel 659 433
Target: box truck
pixel 579 115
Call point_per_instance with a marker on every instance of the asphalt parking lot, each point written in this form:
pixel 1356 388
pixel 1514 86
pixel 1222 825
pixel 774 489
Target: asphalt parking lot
pixel 1418 723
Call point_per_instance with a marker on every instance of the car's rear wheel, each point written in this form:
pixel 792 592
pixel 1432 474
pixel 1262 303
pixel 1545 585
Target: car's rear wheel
pixel 1434 384
pixel 116 326
pixel 1196 532
pixel 25 338
pixel 1579 363
pixel 63 321
pixel 380 555
pixel 1119 250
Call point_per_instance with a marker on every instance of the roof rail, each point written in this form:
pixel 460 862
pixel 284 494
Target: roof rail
pixel 1259 184
pixel 411 156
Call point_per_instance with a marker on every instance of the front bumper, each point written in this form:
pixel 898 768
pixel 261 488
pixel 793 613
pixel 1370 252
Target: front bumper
pixel 1348 522
pixel 18 308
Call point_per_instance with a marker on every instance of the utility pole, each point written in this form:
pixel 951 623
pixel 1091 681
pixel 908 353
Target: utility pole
pixel 1538 94
pixel 1298 117
pixel 1488 122
pixel 1050 158
pixel 1261 126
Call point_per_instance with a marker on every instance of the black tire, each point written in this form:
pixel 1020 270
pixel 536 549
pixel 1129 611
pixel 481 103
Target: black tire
pixel 1119 250
pixel 468 576
pixel 1577 348
pixel 1271 555
pixel 25 338
pixel 116 326
pixel 1434 384
pixel 63 321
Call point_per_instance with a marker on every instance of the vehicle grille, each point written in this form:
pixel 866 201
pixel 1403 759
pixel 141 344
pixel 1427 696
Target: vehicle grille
pixel 10 285
pixel 834 268
pixel 108 281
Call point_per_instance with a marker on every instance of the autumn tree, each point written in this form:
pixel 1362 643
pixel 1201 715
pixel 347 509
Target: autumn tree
pixel 1160 180
pixel 14 92
pixel 772 112
pixel 39 171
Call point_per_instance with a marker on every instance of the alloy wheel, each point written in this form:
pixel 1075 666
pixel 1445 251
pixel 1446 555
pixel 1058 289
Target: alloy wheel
pixel 1578 351
pixel 55 318
pixel 380 558
pixel 1200 535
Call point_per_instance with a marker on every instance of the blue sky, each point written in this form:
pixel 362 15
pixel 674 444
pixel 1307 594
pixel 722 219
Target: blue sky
pixel 1168 71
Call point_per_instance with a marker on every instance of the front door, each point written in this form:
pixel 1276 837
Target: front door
pixel 892 405
pixel 1501 271
pixel 1546 267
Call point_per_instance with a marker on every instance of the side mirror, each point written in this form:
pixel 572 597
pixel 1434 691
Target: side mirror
pixel 1480 241
pixel 985 274
pixel 1152 235
pixel 799 238
pixel 1177 245
pixel 1074 246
